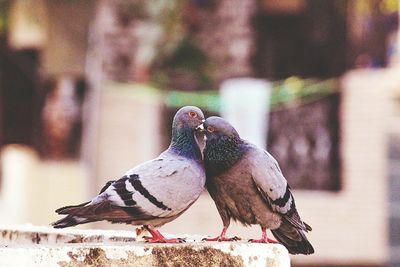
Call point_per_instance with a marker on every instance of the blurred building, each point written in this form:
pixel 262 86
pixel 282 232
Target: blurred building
pixel 89 89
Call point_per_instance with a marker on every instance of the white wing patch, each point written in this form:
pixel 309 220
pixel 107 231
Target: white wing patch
pixel 270 181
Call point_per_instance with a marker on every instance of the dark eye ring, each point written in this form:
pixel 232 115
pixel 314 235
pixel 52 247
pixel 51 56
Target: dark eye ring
pixel 210 129
pixel 192 114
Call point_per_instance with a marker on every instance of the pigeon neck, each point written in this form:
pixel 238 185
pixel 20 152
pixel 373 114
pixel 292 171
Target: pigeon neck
pixel 184 143
pixel 221 154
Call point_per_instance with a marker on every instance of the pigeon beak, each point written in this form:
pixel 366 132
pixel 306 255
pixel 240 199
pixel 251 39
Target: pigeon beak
pixel 200 127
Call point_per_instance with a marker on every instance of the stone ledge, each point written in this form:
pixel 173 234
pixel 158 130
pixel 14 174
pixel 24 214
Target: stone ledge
pixel 41 246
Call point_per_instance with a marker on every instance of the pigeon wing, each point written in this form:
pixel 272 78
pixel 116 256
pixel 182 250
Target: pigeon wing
pixel 162 187
pixel 273 186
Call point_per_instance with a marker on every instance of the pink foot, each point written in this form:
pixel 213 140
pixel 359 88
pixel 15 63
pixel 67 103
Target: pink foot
pixel 264 238
pixel 157 237
pixel 222 237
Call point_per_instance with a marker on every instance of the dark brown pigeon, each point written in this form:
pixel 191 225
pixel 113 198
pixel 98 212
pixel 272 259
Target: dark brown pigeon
pixel 248 186
pixel 155 192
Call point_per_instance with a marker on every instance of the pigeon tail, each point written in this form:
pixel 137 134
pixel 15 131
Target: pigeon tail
pixel 293 239
pixel 69 221
pixel 68 209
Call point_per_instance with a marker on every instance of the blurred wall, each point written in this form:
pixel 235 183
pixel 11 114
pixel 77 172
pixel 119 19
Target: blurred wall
pixel 32 189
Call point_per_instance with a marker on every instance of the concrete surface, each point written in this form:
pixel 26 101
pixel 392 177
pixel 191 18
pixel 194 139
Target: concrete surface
pixel 42 246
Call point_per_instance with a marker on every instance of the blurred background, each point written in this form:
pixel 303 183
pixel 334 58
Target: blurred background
pixel 88 89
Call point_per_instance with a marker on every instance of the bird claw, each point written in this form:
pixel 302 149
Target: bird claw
pixel 236 238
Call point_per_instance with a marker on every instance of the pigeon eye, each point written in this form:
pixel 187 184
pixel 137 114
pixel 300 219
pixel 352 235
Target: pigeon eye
pixel 192 114
pixel 210 129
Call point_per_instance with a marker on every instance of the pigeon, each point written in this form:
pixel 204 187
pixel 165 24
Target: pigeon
pixel 247 185
pixel 154 192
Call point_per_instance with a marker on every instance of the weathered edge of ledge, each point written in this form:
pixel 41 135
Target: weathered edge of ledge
pixel 38 246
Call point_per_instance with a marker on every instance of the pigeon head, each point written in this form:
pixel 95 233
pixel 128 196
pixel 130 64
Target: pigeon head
pixel 188 117
pixel 183 142
pixel 216 128
pixel 224 147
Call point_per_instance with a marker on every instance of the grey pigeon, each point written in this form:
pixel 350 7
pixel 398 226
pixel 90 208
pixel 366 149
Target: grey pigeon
pixel 152 193
pixel 248 186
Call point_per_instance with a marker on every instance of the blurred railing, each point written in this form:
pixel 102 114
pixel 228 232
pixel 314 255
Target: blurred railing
pixel 284 93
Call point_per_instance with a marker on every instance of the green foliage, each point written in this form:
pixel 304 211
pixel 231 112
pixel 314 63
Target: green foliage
pixel 187 56
pixel 189 63
pixel 168 15
pixel 178 62
pixel 172 57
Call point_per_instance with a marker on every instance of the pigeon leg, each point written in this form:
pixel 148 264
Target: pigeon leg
pixel 222 237
pixel 157 237
pixel 264 238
